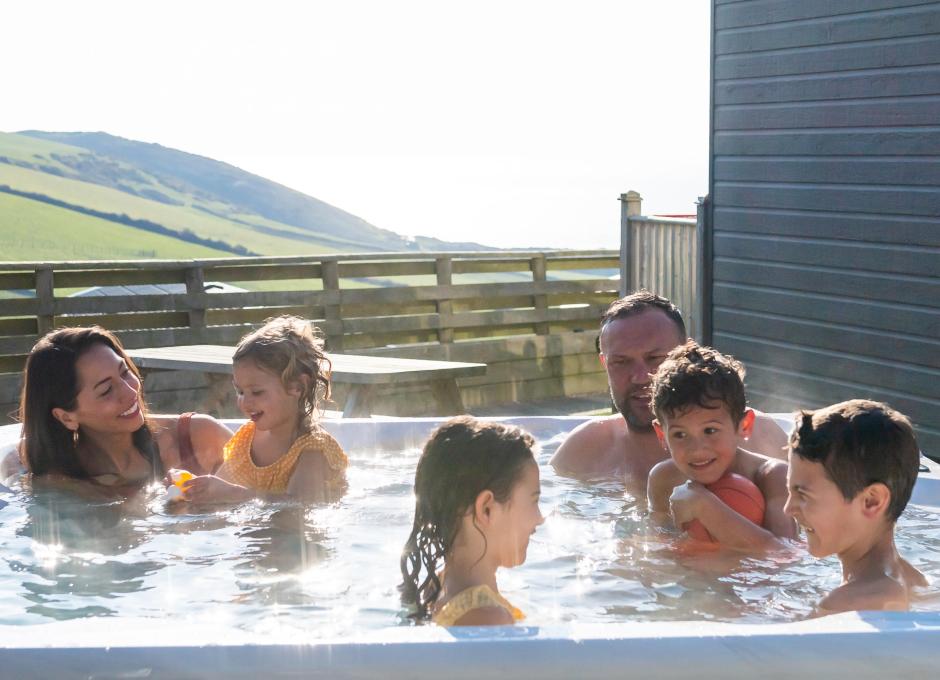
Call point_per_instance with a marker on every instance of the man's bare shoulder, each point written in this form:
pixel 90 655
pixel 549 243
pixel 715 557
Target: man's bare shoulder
pixel 768 438
pixel 593 447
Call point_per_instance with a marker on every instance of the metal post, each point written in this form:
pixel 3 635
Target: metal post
pixel 703 283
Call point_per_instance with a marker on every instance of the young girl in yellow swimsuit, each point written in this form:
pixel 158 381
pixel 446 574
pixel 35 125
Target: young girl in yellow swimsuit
pixel 477 494
pixel 280 375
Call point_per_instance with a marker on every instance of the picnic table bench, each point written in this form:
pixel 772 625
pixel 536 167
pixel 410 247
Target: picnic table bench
pixel 362 373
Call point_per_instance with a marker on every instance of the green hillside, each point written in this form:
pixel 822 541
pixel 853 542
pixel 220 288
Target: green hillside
pixel 30 230
pixel 176 192
pixel 175 217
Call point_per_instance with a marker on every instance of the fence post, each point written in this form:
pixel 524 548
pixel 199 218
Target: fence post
pixel 195 289
pixel 630 206
pixel 45 294
pixel 329 270
pixel 444 267
pixel 539 302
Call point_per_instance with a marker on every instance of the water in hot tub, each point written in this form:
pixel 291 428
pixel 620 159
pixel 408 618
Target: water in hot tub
pixel 333 569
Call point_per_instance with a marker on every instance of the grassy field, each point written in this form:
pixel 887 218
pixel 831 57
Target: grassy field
pixel 30 230
pixel 76 176
pixel 175 217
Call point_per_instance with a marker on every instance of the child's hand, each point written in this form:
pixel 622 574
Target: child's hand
pixel 684 502
pixel 212 489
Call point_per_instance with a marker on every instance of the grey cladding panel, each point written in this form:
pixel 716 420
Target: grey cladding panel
pixel 892 23
pixel 896 358
pixel 853 285
pixel 916 201
pixel 762 12
pixel 825 201
pixel 890 170
pixel 910 319
pixel 826 142
pixel 920 231
pixel 882 54
pixel 860 257
pixel 927 438
pixel 805 390
pixel 880 83
pixel 882 112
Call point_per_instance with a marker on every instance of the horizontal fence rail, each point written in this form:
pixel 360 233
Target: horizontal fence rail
pixel 358 300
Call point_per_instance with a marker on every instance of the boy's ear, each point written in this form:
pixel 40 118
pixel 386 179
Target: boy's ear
pixel 66 418
pixel 660 434
pixel 602 358
pixel 875 500
pixel 483 506
pixel 746 426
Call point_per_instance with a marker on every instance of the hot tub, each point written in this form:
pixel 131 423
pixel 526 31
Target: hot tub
pixel 166 586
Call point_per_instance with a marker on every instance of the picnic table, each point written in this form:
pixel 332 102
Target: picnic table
pixel 362 373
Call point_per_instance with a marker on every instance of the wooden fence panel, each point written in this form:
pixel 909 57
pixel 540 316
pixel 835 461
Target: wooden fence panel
pixel 355 299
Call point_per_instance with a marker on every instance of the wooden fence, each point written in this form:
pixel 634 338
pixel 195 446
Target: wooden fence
pixel 531 316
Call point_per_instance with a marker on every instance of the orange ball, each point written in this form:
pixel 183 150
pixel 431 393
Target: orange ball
pixel 738 493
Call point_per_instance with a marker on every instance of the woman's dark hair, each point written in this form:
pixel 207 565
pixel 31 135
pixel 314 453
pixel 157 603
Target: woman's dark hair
pixel 51 381
pixel 860 443
pixel 290 348
pixel 462 458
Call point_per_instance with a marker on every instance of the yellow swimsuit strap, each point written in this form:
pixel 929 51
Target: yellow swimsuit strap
pixel 467 600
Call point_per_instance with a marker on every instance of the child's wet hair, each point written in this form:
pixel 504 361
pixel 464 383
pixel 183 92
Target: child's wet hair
pixel 859 443
pixel 462 458
pixel 693 375
pixel 292 349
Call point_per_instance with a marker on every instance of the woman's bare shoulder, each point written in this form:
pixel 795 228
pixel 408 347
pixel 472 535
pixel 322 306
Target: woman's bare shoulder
pixel 206 423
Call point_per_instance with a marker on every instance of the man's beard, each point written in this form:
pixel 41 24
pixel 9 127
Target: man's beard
pixel 637 422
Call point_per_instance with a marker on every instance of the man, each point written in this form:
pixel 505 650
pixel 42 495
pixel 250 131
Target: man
pixel 637 332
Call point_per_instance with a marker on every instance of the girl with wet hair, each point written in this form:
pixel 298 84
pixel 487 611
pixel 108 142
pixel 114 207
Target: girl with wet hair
pixel 84 416
pixel 281 375
pixel 476 505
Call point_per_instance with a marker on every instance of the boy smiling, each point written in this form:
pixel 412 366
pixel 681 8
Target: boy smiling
pixel 852 470
pixel 701 415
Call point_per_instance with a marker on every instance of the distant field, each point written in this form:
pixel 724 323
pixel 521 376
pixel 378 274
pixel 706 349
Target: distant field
pixel 175 217
pixel 31 230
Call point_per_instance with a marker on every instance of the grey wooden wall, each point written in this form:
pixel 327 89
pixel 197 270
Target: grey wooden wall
pixel 824 217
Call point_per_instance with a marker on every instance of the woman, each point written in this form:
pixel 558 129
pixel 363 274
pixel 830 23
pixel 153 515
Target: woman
pixel 84 417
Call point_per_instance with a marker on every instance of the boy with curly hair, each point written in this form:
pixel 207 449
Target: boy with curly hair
pixel 701 416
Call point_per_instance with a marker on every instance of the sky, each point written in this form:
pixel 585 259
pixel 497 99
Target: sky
pixel 513 123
